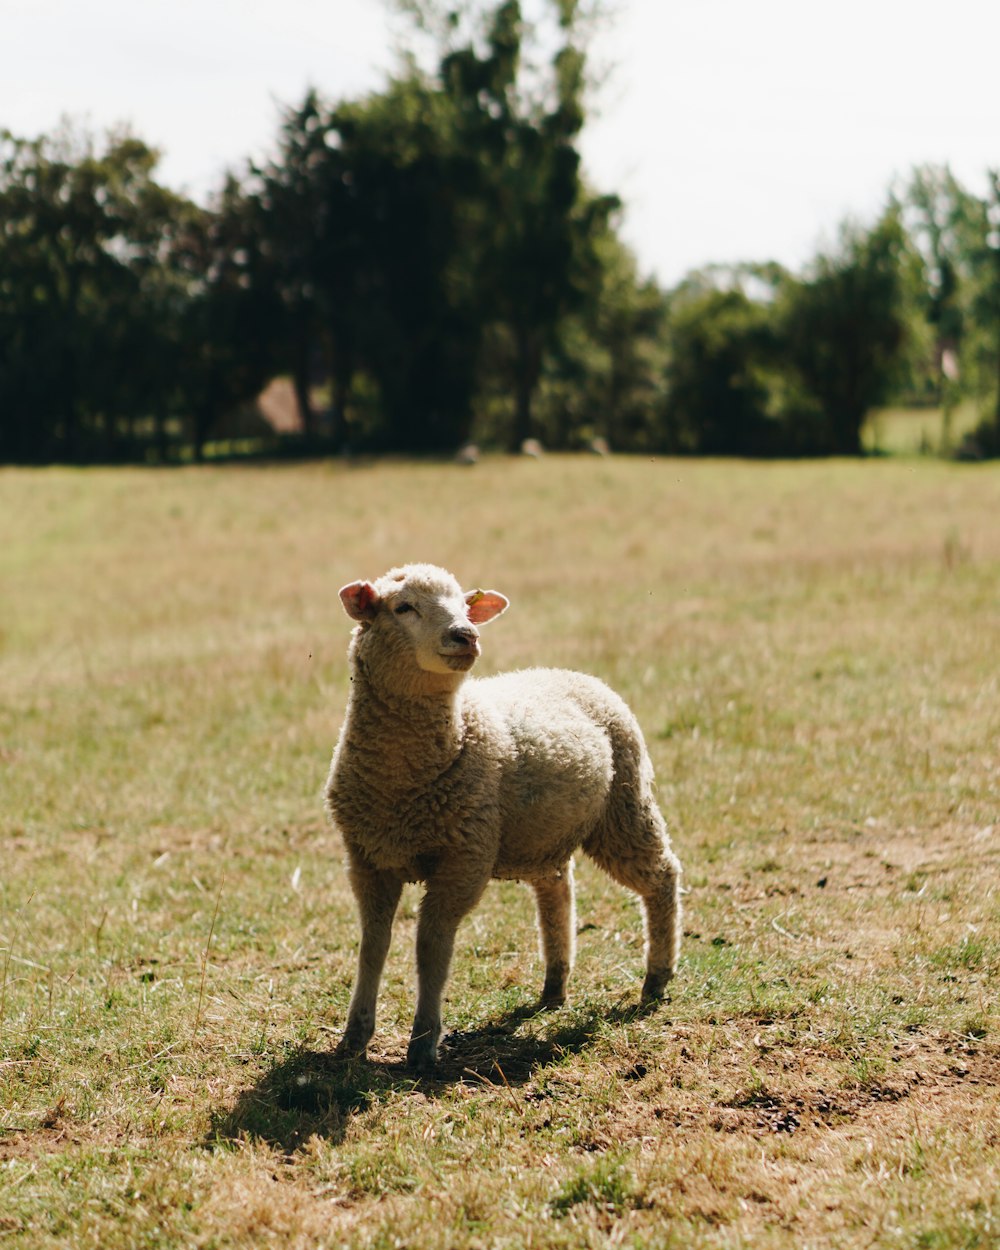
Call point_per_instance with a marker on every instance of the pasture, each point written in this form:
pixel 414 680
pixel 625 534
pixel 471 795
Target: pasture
pixel 813 651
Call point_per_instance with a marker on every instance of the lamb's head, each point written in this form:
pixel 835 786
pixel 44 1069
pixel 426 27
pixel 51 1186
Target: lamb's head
pixel 418 620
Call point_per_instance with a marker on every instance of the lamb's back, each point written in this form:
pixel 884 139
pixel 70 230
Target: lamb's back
pixel 556 695
pixel 555 784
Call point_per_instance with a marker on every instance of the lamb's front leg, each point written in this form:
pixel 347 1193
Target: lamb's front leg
pixel 377 895
pixel 452 892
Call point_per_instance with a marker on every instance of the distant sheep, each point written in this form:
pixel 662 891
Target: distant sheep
pixel 452 782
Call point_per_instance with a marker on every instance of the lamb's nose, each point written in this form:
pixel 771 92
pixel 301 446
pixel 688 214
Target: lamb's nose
pixel 464 634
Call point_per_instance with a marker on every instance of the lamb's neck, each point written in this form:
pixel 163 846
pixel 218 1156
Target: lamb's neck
pixel 417 734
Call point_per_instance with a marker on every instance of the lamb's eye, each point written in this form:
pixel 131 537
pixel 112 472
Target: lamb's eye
pixel 404 607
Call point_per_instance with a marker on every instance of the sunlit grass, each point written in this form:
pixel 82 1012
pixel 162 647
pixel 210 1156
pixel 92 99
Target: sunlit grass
pixel 813 651
pixel 919 431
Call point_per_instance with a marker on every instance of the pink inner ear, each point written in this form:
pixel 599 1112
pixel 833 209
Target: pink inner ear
pixel 360 599
pixel 484 605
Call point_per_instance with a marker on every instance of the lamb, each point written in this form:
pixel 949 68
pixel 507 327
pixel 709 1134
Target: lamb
pixel 452 782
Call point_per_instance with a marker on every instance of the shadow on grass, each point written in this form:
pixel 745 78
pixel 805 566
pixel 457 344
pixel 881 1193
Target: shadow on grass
pixel 313 1093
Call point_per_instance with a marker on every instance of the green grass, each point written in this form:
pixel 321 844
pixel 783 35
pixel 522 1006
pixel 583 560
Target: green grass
pixel 918 431
pixel 813 651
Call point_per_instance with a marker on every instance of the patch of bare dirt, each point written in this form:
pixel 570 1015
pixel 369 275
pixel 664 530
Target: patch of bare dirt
pixel 876 854
pixel 56 1131
pixel 933 1079
pixel 934 1075
pixel 49 1133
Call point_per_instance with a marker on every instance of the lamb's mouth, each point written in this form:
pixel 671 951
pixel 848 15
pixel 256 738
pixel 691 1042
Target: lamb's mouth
pixel 461 660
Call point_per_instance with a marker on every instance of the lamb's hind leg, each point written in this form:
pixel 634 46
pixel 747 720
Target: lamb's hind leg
pixel 647 865
pixel 662 904
pixel 557 925
pixel 377 895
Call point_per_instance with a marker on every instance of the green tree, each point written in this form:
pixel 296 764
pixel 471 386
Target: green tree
pixel 957 235
pixel 539 228
pixel 722 374
pixel 418 326
pixel 604 376
pixel 991 299
pixel 82 233
pixel 939 215
pixel 318 234
pixel 225 326
pixel 365 221
pixel 844 327
pixel 409 227
pixel 289 206
pixel 982 357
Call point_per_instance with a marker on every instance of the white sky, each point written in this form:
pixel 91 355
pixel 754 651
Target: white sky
pixel 733 129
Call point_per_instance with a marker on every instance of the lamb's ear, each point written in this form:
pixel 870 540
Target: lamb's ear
pixel 484 605
pixel 360 600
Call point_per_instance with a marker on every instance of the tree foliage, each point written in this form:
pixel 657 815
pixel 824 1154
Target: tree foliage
pixel 428 264
pixel 845 328
pixel 84 238
pixel 722 343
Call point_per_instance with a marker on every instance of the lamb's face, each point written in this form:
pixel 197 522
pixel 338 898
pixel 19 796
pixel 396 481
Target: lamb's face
pixel 420 615
pixel 432 615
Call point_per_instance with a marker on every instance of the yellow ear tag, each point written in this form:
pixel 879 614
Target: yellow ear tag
pixel 474 596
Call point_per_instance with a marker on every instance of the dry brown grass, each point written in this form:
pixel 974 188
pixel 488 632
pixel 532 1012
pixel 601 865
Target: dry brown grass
pixel 814 653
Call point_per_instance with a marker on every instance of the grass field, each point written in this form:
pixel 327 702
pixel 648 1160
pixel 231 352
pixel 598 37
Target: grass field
pixel 813 651
pixel 918 431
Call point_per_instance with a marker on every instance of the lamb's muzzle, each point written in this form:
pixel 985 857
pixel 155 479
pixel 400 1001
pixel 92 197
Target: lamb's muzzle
pixel 464 638
pixel 452 781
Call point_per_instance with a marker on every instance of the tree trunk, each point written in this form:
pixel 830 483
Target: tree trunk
pixel 341 374
pixel 525 381
pixel 844 422
pixel 997 312
pixel 300 382
pixel 338 412
pixel 204 419
pixel 160 428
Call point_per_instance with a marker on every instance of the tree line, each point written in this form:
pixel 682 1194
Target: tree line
pixel 428 265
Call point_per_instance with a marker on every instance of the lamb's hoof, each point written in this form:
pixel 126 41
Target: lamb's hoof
pixel 421 1055
pixel 554 988
pixel 351 1048
pixel 654 988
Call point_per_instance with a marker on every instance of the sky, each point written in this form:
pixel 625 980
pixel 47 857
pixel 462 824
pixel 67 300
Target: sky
pixel 734 130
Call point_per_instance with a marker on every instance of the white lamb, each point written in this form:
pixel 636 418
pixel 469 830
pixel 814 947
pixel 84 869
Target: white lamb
pixel 452 782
